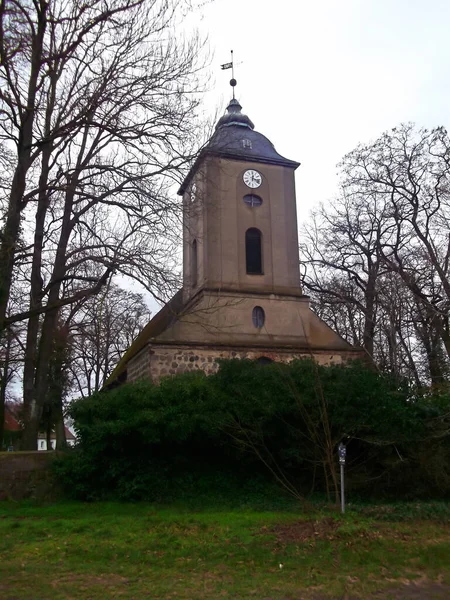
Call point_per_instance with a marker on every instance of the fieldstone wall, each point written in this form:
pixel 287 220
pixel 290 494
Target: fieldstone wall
pixel 27 475
pixel 170 360
pixel 173 360
pixel 139 366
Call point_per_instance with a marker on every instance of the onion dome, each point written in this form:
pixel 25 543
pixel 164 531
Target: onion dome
pixel 234 116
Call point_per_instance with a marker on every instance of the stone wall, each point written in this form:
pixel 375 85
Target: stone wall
pixel 170 359
pixel 27 475
pixel 139 366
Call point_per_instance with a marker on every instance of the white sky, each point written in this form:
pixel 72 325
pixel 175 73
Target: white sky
pixel 319 76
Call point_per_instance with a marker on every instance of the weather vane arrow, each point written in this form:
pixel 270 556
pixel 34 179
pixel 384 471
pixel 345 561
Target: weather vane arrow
pixel 230 65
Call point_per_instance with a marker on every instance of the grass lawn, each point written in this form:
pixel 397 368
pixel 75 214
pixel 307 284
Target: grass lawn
pixel 107 550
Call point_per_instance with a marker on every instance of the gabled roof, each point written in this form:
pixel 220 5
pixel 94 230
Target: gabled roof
pixel 160 322
pixel 69 435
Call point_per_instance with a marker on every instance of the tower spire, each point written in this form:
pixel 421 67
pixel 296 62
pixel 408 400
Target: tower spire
pixel 230 65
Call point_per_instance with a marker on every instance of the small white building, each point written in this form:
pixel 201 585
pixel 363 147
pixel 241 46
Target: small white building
pixel 42 440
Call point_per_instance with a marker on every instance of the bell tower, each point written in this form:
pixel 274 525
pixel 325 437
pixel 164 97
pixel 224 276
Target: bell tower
pixel 240 221
pixel 241 295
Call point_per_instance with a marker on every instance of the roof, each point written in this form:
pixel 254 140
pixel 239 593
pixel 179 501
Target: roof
pixel 13 412
pixel 160 322
pixel 69 435
pixel 12 417
pixel 235 138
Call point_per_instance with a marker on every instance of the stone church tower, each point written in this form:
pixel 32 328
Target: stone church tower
pixel 241 294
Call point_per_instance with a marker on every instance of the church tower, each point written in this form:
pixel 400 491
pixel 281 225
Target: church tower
pixel 241 295
pixel 240 214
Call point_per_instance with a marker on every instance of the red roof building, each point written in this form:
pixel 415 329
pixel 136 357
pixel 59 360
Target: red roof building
pixel 12 410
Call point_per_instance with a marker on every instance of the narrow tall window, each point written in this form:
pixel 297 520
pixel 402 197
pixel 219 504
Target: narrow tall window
pixel 194 263
pixel 253 251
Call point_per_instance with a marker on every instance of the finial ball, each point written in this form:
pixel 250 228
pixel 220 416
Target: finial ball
pixel 233 82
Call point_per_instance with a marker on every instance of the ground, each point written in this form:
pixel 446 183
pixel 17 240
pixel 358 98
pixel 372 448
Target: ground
pixel 130 551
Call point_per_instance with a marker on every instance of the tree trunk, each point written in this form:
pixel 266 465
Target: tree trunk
pixel 40 388
pixel 49 434
pixel 4 384
pixel 11 231
pixel 2 407
pixel 430 334
pixel 31 349
pixel 369 313
pixel 60 430
pixel 9 239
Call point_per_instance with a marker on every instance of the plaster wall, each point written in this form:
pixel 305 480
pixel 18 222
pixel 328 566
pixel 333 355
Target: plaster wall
pixel 226 318
pixel 218 219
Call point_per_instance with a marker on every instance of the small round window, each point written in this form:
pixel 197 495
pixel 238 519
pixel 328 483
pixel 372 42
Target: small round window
pixel 252 200
pixel 258 317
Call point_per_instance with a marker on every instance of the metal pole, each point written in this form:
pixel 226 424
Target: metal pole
pixel 342 489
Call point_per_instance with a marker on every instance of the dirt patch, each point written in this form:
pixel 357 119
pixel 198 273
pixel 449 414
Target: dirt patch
pixel 439 532
pixel 331 529
pixel 72 586
pixel 302 531
pixel 88 581
pixel 421 589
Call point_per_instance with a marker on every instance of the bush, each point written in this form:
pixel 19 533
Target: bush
pixel 250 423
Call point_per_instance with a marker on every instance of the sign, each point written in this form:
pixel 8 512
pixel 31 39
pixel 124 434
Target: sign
pixel 342 453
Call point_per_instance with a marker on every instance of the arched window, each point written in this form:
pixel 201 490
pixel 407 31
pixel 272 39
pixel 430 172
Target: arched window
pixel 194 263
pixel 258 317
pixel 264 360
pixel 253 251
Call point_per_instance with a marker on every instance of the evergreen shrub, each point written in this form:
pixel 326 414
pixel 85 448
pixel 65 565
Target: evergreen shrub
pixel 249 424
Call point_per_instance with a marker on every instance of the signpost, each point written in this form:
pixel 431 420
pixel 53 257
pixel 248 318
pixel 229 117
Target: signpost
pixel 342 453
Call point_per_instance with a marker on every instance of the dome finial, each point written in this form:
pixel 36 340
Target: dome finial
pixel 230 65
pixel 234 116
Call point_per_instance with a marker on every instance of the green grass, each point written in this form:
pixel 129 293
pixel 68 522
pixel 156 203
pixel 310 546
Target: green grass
pixel 108 550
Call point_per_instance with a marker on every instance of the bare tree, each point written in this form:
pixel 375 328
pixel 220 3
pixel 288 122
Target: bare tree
pixel 341 248
pixel 101 333
pixel 100 104
pixel 377 257
pixel 410 170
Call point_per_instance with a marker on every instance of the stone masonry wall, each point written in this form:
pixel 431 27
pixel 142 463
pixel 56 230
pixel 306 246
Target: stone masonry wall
pixel 170 360
pixel 27 475
pixel 139 366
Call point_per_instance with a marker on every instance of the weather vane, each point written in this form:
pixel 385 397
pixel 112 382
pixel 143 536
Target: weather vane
pixel 230 65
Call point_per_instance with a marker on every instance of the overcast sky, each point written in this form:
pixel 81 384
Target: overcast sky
pixel 317 77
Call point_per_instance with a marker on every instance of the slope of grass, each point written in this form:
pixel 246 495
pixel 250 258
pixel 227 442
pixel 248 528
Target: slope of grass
pixel 107 550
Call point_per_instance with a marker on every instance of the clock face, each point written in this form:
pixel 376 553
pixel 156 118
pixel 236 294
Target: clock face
pixel 252 178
